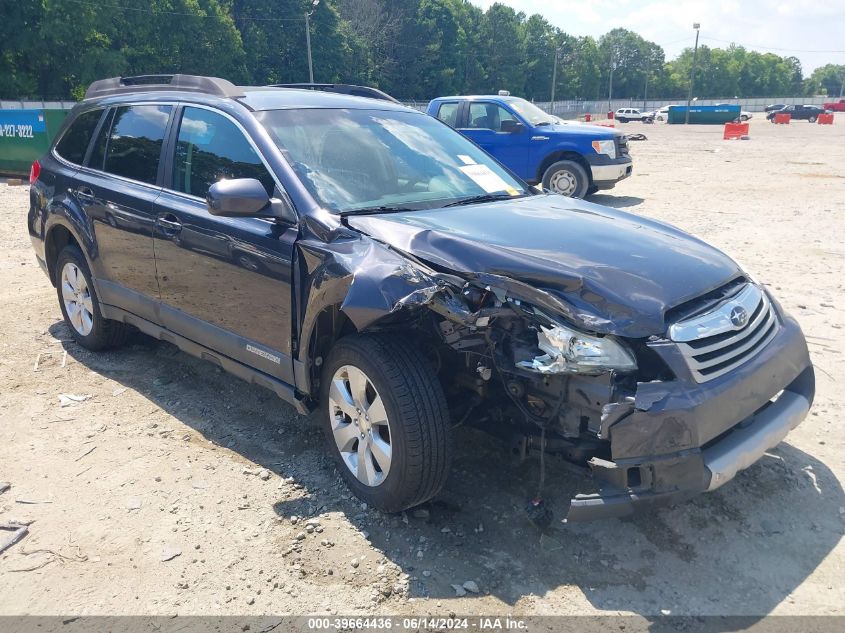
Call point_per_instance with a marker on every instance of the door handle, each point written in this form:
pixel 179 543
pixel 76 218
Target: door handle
pixel 169 224
pixel 84 194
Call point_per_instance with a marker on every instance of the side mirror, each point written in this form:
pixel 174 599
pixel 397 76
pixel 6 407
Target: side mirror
pixel 509 126
pixel 236 198
pixel 246 197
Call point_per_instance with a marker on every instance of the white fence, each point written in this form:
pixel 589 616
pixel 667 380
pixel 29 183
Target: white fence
pixel 574 109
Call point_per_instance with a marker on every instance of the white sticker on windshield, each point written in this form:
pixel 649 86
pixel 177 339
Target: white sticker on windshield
pixel 466 160
pixel 486 178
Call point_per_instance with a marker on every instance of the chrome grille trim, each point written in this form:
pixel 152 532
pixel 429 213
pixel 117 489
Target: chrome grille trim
pixel 724 346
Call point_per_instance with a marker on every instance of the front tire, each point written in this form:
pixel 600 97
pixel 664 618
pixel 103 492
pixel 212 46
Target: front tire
pixel 80 305
pixel 567 178
pixel 386 421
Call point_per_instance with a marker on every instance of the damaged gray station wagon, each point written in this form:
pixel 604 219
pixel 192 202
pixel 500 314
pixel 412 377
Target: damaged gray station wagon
pixel 360 257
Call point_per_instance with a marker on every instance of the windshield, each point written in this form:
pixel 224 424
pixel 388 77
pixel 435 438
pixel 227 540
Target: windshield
pixel 353 160
pixel 530 112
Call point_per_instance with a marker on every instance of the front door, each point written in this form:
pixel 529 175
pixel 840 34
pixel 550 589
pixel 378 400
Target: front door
pixel 225 282
pixel 484 126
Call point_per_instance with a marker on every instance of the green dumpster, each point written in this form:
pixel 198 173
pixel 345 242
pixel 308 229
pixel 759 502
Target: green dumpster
pixel 713 114
pixel 25 135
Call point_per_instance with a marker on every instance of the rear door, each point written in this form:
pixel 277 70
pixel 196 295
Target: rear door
pixel 483 126
pixel 117 187
pixel 225 282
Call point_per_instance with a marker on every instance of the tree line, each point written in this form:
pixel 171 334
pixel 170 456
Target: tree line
pixel 412 49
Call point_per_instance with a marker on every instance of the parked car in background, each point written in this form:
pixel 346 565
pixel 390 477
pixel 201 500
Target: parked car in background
pixel 623 115
pixel 662 114
pixel 775 107
pixel 572 160
pixel 799 112
pixel 403 282
pixel 835 106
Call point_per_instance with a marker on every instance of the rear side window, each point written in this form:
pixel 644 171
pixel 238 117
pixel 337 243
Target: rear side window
pixel 209 148
pixel 448 113
pixel 74 142
pixel 134 144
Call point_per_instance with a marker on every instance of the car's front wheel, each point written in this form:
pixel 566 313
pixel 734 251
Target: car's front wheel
pixel 567 178
pixel 80 305
pixel 386 421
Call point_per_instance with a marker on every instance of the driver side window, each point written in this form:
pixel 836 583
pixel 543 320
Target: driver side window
pixel 209 148
pixel 488 116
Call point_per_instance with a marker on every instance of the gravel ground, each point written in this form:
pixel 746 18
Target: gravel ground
pixel 177 489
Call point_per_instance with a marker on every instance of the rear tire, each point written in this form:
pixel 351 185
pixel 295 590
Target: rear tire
pixel 622 120
pixel 567 178
pixel 386 421
pixel 80 305
pixel 812 118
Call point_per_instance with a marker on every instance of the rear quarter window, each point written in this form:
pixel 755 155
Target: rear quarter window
pixel 74 142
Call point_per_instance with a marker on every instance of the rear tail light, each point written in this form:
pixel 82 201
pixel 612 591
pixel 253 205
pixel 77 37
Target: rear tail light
pixel 34 172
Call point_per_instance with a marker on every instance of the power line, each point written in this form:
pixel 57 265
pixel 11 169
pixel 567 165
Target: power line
pixel 772 48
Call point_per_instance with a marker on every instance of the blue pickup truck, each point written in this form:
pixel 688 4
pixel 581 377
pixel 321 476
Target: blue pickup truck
pixel 571 159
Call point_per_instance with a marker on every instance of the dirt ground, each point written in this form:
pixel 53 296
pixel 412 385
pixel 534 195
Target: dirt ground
pixel 176 488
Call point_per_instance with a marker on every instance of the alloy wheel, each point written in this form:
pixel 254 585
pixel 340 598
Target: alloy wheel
pixel 360 426
pixel 76 296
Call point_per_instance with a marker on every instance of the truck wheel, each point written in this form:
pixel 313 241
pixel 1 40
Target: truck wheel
pixel 80 306
pixel 386 421
pixel 743 118
pixel 622 119
pixel 812 118
pixel 567 178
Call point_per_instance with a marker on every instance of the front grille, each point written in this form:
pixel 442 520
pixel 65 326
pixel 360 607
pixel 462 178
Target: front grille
pixel 713 345
pixel 621 146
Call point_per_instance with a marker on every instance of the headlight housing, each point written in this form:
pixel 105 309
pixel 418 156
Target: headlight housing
pixel 568 351
pixel 605 147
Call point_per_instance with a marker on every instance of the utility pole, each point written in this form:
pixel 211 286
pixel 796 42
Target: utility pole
pixel 842 85
pixel 645 91
pixel 696 26
pixel 610 85
pixel 554 81
pixel 308 39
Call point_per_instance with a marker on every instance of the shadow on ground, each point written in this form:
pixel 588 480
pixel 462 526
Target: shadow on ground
pixel 741 550
pixel 617 202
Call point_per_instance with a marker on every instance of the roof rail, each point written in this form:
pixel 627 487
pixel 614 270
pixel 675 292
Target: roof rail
pixel 144 83
pixel 345 89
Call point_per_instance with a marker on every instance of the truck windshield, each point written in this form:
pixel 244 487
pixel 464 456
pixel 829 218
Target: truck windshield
pixel 530 112
pixel 380 160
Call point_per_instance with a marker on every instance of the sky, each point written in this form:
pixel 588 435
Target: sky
pixel 795 27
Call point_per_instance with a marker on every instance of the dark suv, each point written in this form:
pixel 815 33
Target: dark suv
pixel 358 256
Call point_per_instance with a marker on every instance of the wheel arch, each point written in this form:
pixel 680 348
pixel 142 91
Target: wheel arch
pixel 564 154
pixel 58 236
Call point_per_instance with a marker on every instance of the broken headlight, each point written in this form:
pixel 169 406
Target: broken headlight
pixel 567 350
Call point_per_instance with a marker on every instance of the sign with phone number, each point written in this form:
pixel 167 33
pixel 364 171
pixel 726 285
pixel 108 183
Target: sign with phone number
pixel 21 123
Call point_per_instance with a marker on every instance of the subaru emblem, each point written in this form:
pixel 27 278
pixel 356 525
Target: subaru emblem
pixel 739 316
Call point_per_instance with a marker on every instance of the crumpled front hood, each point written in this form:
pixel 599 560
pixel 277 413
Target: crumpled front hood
pixel 619 272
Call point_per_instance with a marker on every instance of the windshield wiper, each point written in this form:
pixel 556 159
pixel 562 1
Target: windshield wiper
pixel 377 210
pixel 485 197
